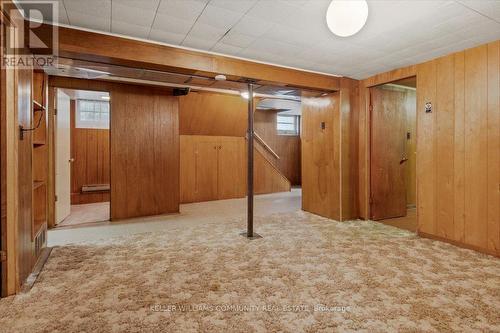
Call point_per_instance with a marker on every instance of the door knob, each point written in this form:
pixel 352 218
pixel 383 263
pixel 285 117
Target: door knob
pixel 71 160
pixel 404 159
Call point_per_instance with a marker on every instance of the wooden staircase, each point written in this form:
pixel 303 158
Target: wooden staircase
pixel 267 177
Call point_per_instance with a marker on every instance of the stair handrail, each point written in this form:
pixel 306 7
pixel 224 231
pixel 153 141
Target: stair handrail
pixel 265 145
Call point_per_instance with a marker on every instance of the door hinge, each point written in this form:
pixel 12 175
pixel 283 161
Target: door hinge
pixel 370 108
pixel 55 198
pixel 55 112
pixel 3 256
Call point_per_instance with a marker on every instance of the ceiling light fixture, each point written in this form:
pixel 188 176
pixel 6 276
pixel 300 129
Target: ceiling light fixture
pixel 346 18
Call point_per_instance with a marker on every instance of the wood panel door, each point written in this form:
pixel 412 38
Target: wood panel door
pixel 388 155
pixel 62 143
pixel 231 168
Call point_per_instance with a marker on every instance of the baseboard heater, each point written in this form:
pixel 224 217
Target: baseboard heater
pixel 95 188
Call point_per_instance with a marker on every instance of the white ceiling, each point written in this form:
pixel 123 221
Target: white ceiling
pixel 294 32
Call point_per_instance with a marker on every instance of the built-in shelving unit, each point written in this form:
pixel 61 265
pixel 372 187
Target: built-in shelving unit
pixel 39 159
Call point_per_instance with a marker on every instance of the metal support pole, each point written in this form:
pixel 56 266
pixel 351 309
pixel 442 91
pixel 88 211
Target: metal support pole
pixel 249 234
pixel 250 163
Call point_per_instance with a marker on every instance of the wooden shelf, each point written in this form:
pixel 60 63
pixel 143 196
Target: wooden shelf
pixel 37 184
pixel 39 159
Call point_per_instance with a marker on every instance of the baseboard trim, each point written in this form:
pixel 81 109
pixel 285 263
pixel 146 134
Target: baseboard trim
pixel 459 244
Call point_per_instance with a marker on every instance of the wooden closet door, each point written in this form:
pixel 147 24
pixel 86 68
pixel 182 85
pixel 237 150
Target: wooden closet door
pixel 206 170
pixel 388 140
pixel 231 168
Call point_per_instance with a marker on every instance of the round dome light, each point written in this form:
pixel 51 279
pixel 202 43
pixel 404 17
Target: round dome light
pixel 345 18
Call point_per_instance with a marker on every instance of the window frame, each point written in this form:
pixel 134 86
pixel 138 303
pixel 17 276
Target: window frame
pixel 296 124
pixel 96 123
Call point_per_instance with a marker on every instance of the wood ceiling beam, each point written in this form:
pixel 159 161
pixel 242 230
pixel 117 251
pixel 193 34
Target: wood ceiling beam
pixel 92 46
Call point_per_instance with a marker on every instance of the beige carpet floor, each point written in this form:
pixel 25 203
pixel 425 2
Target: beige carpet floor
pixel 307 274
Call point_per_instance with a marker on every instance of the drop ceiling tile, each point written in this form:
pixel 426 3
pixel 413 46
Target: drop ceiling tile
pixel 198 43
pixel 237 39
pixel 294 32
pixel 489 8
pixel 257 55
pixel 202 30
pixel 172 24
pixel 184 9
pixel 483 28
pixel 219 17
pixel 252 26
pixel 274 11
pixel 166 37
pixel 131 14
pixel 140 4
pixel 63 16
pixel 89 21
pixel 314 55
pixel 240 6
pixel 227 49
pixel 97 8
pixel 128 29
pixel 274 47
pixel 280 32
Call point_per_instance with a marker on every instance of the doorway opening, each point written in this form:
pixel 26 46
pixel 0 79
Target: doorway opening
pixel 82 157
pixel 393 154
pixel 278 130
pixel 213 132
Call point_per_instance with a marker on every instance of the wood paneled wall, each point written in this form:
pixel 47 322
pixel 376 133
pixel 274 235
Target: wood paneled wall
pixel 144 147
pixel 287 147
pixel 214 114
pixel 144 152
pixel 321 146
pixel 458 147
pixel 214 168
pixel 349 134
pixel 458 166
pixel 9 157
pixel 90 151
pixel 330 154
pixel 267 178
pixel 207 113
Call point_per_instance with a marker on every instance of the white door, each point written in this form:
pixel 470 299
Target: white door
pixel 63 158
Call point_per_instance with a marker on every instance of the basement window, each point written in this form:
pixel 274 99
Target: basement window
pixel 288 125
pixel 92 114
